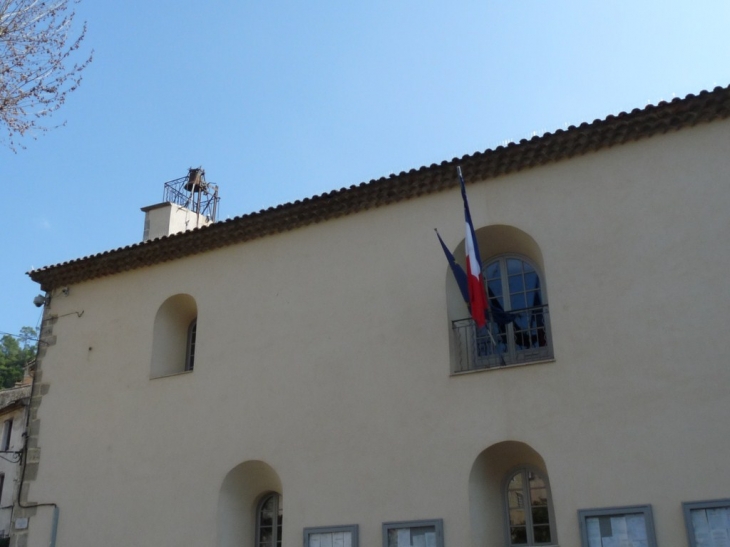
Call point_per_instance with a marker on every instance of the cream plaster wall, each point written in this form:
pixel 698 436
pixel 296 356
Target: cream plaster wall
pixel 168 218
pixel 324 352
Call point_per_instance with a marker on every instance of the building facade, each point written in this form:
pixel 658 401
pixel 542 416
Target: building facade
pixel 14 403
pixel 309 372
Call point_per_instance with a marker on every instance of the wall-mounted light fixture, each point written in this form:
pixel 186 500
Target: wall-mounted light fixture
pixel 41 300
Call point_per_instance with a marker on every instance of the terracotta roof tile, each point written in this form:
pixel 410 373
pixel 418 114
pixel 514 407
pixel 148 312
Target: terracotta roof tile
pixel 548 148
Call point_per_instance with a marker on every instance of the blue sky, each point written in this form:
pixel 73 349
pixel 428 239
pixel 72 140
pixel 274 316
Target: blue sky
pixel 281 100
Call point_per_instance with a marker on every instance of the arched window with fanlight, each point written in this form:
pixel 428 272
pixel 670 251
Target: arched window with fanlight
pixel 528 507
pixel 518 327
pixel 269 518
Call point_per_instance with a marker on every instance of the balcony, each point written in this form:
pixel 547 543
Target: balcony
pixel 510 338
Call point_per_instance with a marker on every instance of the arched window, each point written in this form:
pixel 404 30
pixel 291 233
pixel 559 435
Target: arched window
pixel 518 329
pixel 528 506
pixel 509 497
pixel 174 336
pixel 243 494
pixel 269 520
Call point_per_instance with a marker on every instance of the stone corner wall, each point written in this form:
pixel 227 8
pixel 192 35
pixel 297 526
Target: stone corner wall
pixel 22 506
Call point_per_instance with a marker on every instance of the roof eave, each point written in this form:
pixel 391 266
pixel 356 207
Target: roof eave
pixel 548 148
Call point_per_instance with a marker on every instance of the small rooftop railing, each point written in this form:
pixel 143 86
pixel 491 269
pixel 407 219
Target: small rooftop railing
pixel 194 192
pixel 509 338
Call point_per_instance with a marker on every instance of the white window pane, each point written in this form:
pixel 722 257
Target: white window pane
pixel 594 532
pixel 326 540
pixel 620 531
pixel 636 525
pixel 716 518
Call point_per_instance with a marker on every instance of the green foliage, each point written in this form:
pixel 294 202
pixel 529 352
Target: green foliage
pixel 15 352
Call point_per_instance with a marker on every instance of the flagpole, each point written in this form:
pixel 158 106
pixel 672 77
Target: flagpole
pixel 471 282
pixel 470 231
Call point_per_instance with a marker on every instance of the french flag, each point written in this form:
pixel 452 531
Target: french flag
pixel 478 303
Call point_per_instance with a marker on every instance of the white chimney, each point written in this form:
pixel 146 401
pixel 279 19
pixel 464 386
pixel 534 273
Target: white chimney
pixel 189 202
pixel 167 218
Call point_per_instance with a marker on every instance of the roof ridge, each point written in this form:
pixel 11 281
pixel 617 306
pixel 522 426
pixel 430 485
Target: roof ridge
pixel 539 150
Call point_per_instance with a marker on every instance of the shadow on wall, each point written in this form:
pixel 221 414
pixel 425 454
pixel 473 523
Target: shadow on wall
pixel 238 499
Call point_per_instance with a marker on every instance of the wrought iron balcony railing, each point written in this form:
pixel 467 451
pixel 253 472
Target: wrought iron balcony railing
pixel 509 338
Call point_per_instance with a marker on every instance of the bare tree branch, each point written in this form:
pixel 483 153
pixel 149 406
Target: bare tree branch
pixel 37 68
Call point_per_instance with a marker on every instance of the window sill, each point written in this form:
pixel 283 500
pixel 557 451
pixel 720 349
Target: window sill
pixel 503 367
pixel 182 372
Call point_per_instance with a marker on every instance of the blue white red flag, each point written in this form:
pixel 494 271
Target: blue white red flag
pixel 478 303
pixel 458 271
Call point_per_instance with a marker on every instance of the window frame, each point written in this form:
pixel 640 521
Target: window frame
pixel 274 527
pixel 505 506
pixel 352 528
pixel 689 506
pixel 469 341
pixel 644 510
pixel 517 356
pixel 190 345
pixel 7 434
pixel 438 525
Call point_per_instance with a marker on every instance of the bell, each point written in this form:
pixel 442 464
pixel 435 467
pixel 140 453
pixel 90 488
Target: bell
pixel 195 177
